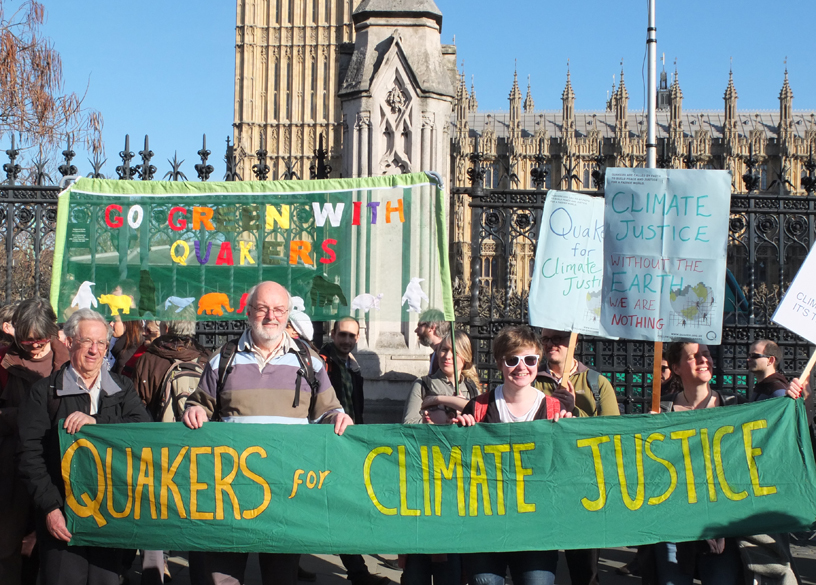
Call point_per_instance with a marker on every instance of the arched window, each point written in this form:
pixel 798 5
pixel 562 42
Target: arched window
pixel 287 75
pixel 313 92
pixel 275 82
pixel 325 85
pixel 763 177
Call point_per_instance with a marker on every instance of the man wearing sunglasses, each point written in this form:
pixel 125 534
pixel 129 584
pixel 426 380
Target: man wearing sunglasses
pixel 594 396
pixel 431 330
pixel 764 359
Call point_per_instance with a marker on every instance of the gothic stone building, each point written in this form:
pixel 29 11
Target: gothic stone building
pixel 372 78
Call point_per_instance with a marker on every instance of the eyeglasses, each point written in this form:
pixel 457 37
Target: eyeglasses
pixel 555 340
pixel 276 312
pixel 512 361
pixel 756 356
pixel 33 342
pixel 438 407
pixel 86 343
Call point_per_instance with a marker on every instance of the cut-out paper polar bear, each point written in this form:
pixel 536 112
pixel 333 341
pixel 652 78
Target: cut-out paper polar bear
pixel 180 302
pixel 85 298
pixel 365 302
pixel 414 295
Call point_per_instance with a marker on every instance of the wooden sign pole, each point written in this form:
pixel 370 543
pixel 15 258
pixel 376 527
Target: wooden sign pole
pixel 570 356
pixel 657 377
pixel 805 377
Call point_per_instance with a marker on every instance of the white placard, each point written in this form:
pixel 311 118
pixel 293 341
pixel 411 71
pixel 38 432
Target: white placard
pixel 797 311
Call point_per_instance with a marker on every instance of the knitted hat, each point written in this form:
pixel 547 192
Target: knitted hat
pixel 302 324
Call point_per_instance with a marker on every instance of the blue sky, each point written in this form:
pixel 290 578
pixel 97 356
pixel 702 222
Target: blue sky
pixel 167 68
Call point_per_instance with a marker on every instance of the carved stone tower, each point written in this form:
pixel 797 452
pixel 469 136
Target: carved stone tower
pixel 286 78
pixel 398 91
pixel 786 132
pixel 676 133
pixel 731 122
pixel 568 115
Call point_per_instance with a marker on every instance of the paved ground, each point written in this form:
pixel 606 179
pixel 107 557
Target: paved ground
pixel 330 571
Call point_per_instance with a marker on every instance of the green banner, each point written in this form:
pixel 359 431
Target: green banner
pixel 578 483
pixel 374 247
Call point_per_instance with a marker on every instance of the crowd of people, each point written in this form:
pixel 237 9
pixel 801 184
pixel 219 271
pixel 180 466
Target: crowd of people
pixel 90 371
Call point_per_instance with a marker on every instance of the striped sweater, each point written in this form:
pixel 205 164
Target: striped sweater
pixel 256 393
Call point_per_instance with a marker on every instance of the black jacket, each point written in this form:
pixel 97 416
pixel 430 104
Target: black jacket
pixel 46 405
pixel 351 399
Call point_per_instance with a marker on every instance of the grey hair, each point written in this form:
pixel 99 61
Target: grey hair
pixel 71 327
pixel 180 328
pixel 253 292
pixel 34 317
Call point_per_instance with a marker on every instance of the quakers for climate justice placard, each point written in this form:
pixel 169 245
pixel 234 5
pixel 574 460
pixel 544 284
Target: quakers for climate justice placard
pixel 565 292
pixel 665 241
pixel 578 483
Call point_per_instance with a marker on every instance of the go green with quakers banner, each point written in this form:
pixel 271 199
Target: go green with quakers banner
pixel 577 483
pixel 373 248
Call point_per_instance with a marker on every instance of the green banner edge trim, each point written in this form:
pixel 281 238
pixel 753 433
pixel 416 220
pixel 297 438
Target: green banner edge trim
pixel 444 258
pixel 63 202
pixel 129 188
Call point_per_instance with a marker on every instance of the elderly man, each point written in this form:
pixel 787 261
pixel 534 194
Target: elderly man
pixel 82 392
pixel 431 330
pixel 264 353
pixel 764 359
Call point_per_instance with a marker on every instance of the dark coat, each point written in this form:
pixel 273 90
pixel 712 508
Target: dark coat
pixel 351 399
pixel 15 503
pixel 153 364
pixel 46 405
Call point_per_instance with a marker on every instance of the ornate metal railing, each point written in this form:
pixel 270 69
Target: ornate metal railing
pixel 769 238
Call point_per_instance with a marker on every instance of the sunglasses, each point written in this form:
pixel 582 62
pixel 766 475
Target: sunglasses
pixel 556 340
pixel 512 361
pixel 33 342
pixel 756 356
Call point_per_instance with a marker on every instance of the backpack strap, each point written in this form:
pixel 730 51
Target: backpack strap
pixel 228 351
pixel 480 404
pixel 306 370
pixel 594 381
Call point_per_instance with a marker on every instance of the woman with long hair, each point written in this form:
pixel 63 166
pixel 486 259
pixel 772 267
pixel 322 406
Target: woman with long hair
pixel 127 344
pixel 438 391
pixel 716 561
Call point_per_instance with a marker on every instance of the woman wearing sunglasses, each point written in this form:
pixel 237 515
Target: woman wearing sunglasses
pixel 35 353
pixel 517 351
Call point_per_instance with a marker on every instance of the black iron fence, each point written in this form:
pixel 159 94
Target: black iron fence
pixel 769 238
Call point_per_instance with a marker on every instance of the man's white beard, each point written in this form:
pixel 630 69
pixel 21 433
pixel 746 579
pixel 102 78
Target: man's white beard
pixel 260 334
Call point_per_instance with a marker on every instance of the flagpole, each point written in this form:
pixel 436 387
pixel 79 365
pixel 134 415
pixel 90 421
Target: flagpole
pixel 651 95
pixel 651 163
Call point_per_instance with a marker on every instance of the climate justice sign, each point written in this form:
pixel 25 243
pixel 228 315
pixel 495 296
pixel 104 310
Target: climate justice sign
pixel 565 292
pixel 577 483
pixel 665 239
pixel 181 250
